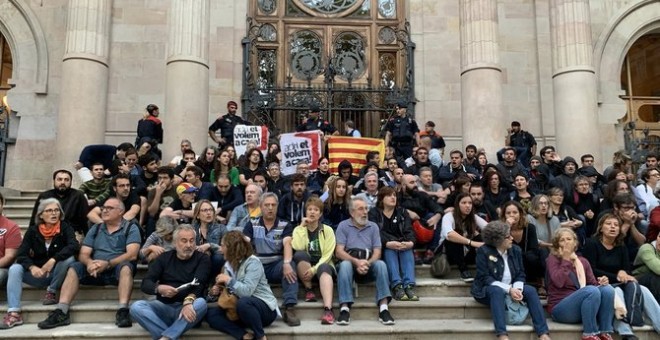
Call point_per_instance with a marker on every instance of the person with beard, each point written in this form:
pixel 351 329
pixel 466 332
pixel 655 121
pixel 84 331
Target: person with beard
pixel 98 188
pixel 359 248
pixel 421 207
pixel 174 311
pixel 226 125
pixel 121 190
pixel 471 157
pixel 565 180
pixel 509 167
pixel 292 205
pixel 388 176
pixel 74 202
pixel 456 168
pixel 482 208
pixel 422 161
pixel 107 257
pixel 227 196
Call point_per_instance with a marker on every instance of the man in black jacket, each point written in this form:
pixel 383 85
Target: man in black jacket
pixel 74 203
pixel 178 279
pixel 421 207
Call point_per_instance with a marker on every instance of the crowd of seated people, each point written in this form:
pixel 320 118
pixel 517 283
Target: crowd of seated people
pixel 558 229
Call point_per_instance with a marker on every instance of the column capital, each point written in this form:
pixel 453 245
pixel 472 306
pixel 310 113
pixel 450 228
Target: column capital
pixel 570 29
pixel 479 35
pixel 88 30
pixel 189 31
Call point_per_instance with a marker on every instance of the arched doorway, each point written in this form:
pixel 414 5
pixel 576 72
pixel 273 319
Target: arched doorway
pixel 6 70
pixel 640 79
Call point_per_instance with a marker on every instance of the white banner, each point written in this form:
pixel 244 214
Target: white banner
pixel 245 134
pixel 300 147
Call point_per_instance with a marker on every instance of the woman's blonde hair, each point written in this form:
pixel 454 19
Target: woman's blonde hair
pixel 557 236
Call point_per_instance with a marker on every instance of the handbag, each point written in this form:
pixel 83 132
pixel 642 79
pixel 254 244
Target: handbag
pixel 227 301
pixel 516 312
pixel 440 266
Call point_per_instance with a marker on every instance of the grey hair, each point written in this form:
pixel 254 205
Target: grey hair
pixel 268 195
pixel 494 233
pixel 425 169
pixel 183 227
pixel 121 203
pixel 260 191
pixel 166 226
pixel 351 202
pixel 371 174
pixel 42 206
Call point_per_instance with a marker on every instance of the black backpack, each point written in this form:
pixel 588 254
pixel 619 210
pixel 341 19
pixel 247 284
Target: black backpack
pixel 632 294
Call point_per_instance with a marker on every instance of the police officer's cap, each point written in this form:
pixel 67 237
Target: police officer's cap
pixel 314 108
pixel 402 103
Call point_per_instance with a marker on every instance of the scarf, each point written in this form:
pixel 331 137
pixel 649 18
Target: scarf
pixel 153 119
pixel 49 232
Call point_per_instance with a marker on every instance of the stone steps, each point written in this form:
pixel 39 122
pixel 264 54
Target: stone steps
pixel 359 329
pixel 426 287
pixel 428 308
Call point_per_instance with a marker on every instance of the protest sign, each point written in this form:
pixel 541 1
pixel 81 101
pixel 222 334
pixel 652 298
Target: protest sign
pixel 244 134
pixel 300 147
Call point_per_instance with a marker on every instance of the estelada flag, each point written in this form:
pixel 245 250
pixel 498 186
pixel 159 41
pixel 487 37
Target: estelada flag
pixel 354 150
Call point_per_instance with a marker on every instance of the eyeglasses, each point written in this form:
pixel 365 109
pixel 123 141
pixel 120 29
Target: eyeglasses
pixel 206 210
pixel 108 208
pixel 52 211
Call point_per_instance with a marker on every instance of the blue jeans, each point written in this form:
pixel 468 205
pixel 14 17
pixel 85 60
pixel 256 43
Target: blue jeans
pixel 18 275
pixel 161 319
pixel 400 266
pixel 274 274
pixel 495 299
pixel 596 309
pixel 377 272
pixel 253 313
pixel 651 310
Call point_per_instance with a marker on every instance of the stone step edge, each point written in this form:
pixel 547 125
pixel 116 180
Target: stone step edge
pixel 361 302
pixel 357 327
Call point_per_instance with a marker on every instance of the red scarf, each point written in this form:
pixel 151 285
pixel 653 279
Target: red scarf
pixel 153 119
pixel 49 232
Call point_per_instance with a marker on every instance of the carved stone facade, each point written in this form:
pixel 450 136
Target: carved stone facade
pixel 83 71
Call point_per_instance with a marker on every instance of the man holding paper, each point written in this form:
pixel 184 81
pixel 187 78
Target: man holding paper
pixel 178 278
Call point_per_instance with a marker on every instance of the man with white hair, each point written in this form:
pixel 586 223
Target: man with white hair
pixel 359 249
pixel 248 211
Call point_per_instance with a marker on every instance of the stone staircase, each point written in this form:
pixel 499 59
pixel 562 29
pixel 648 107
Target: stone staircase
pixel 445 311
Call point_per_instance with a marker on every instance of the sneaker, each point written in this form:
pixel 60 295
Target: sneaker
pixel 11 319
pixel 410 293
pixel 590 337
pixel 466 276
pixel 428 257
pixel 398 293
pixel 290 317
pixel 344 318
pixel 49 299
pixel 123 318
pixel 55 318
pixel 328 317
pixel 310 296
pixel 385 318
pixel 605 336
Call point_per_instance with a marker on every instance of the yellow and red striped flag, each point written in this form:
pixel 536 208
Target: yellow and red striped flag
pixel 354 150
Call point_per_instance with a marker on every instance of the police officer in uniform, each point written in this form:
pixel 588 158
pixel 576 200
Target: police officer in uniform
pixel 226 125
pixel 402 131
pixel 313 122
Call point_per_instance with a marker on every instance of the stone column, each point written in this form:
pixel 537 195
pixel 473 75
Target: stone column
pixel 187 92
pixel 484 123
pixel 574 80
pixel 84 90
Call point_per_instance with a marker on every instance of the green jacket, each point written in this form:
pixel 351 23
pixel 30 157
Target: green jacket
pixel 647 260
pixel 300 242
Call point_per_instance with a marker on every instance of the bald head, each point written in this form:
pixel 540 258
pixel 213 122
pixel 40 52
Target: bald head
pixel 409 181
